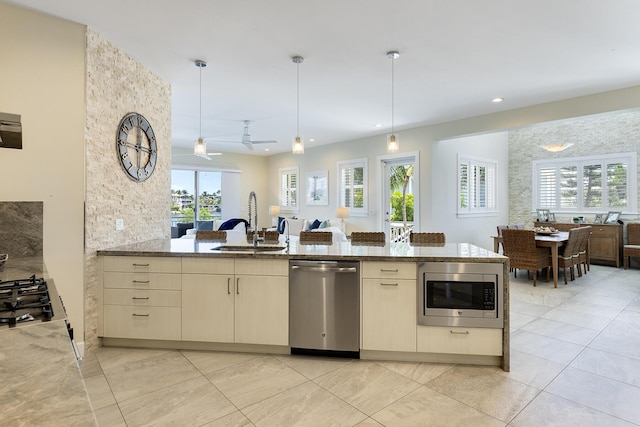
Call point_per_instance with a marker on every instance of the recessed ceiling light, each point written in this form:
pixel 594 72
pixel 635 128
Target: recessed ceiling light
pixel 266 149
pixel 312 140
pixel 378 125
pixel 496 100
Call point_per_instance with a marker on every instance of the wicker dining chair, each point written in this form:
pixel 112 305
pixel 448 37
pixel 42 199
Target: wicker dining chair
pixel 569 254
pixel 367 237
pixel 584 263
pixel 426 238
pixel 316 237
pixel 214 236
pixel 520 247
pixel 632 248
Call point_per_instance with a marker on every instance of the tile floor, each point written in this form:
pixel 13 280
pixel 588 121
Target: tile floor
pixel 575 362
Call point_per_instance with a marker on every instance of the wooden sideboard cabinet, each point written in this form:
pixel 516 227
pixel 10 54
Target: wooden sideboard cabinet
pixel 605 243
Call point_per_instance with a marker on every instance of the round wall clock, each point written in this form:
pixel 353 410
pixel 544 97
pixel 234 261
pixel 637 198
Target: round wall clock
pixel 136 145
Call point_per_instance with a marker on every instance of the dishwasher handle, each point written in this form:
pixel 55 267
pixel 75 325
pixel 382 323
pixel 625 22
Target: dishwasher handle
pixel 325 269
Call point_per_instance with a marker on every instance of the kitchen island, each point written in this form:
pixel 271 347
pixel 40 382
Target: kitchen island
pixel 182 293
pixel 41 380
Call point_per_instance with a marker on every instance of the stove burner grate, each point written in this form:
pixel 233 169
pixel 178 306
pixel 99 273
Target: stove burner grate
pixel 24 300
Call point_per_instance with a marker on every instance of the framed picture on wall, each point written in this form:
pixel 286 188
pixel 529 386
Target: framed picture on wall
pixel 612 217
pixel 317 188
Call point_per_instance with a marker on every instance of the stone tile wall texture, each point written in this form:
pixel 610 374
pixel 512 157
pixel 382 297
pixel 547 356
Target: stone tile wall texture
pixel 21 229
pixel 116 85
pixel 617 132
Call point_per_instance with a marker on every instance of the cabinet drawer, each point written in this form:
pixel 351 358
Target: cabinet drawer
pixel 208 265
pixel 391 270
pixel 481 341
pixel 116 280
pixel 148 298
pixel 142 264
pixel 154 323
pixel 262 267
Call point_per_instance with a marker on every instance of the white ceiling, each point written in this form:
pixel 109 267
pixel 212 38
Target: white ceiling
pixel 455 57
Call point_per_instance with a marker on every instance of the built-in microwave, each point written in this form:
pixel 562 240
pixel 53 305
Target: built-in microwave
pixel 460 294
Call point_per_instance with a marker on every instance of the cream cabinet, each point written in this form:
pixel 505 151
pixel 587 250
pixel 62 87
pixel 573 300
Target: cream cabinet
pixel 389 306
pixel 208 290
pixel 142 298
pixel 456 340
pixel 235 300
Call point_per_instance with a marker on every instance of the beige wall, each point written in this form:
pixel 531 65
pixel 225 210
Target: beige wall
pixel 116 85
pixel 42 78
pixel 436 196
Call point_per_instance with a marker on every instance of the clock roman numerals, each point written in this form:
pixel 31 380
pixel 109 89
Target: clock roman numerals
pixel 137 156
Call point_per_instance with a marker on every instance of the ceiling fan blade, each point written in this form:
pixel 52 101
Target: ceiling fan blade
pixel 265 142
pixel 216 140
pixel 248 145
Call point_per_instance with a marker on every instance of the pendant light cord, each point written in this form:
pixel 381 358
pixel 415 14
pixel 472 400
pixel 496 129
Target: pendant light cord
pixel 298 101
pixel 393 60
pixel 200 132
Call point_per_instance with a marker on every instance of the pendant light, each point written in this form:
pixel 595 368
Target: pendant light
pixel 200 147
pixel 393 143
pixel 298 143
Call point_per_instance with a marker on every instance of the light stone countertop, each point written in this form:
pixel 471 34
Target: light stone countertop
pixel 40 377
pixel 449 252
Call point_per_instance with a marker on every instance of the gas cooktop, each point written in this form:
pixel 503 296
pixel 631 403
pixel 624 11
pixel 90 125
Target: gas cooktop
pixel 27 300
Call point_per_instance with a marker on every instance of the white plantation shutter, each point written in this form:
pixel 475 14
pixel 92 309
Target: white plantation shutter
pixel 586 184
pixel 352 186
pixel 289 189
pixel 477 185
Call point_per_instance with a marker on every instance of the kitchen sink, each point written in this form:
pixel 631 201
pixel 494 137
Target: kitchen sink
pixel 247 248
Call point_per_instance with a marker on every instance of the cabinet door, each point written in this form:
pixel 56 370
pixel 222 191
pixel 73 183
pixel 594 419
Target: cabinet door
pixel 262 310
pixel 389 314
pixel 207 307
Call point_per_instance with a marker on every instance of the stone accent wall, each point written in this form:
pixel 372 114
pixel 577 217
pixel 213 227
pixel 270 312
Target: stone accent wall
pixel 116 85
pixel 617 132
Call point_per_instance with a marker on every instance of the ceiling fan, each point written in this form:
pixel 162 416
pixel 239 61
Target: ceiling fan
pixel 246 138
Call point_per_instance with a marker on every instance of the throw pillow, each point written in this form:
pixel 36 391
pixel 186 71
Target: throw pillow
pixel 315 224
pixel 231 223
pixel 280 226
pixel 324 224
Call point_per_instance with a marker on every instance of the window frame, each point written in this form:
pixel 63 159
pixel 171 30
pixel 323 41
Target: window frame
pixel 629 158
pixel 491 187
pixel 286 193
pixel 352 164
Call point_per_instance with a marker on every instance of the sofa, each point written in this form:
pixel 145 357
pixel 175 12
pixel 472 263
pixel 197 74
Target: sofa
pixel 295 225
pixel 238 232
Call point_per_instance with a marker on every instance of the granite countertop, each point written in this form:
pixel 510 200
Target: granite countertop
pixel 39 373
pixel 449 252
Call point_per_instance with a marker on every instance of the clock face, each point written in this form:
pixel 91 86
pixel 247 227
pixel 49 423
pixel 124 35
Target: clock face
pixel 136 146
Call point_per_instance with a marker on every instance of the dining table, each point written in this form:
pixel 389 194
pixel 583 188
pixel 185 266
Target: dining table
pixel 553 241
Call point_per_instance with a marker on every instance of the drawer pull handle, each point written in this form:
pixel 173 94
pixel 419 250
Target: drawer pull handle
pixel 460 333
pixel 140 281
pixel 388 284
pixel 393 270
pixel 228 285
pixel 140 315
pixel 139 297
pixel 140 265
pixel 238 286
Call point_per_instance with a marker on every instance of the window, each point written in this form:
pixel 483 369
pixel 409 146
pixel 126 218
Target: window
pixel 477 186
pixel 352 186
pixel 209 186
pixel 289 189
pixel 586 184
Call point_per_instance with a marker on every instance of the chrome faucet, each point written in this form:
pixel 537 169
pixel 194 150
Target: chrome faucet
pixel 286 224
pixel 256 238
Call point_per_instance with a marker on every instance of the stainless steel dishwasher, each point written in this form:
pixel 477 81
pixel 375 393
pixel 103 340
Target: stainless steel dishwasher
pixel 324 308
